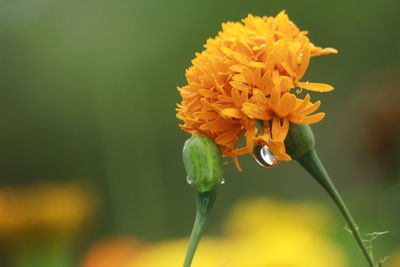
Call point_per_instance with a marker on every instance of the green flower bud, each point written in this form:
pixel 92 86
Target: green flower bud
pixel 300 140
pixel 203 163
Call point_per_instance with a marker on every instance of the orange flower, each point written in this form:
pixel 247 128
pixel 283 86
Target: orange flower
pixel 249 73
pixel 113 252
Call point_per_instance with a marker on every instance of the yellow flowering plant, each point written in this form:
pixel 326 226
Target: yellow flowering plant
pixel 246 84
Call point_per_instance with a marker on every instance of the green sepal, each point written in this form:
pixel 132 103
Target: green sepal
pixel 300 140
pixel 202 159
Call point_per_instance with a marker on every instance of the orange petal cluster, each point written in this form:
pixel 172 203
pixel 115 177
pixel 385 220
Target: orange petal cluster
pixel 250 73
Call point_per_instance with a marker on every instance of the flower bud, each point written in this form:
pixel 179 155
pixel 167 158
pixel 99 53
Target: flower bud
pixel 203 162
pixel 299 141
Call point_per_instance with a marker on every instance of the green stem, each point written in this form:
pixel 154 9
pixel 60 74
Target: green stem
pixel 313 165
pixel 205 202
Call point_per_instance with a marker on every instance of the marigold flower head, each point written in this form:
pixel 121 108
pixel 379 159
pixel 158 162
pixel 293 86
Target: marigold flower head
pixel 249 73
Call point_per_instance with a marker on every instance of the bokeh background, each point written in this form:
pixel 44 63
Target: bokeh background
pixel 90 148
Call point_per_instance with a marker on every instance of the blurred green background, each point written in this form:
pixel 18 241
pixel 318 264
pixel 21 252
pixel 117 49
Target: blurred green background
pixel 88 92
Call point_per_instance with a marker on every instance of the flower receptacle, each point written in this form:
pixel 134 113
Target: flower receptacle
pixel 300 140
pixel 202 159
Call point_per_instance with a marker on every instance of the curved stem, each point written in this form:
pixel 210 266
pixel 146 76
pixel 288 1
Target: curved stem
pixel 313 165
pixel 205 202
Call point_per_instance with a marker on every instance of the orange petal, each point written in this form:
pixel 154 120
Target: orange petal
pixel 276 128
pixel 257 64
pixel 242 58
pixel 255 112
pixel 284 129
pixel 311 108
pixel 305 60
pixel 288 69
pixel 267 82
pixel 227 51
pixel 259 98
pixel 317 87
pixel 286 105
pixel 286 83
pixel 232 113
pixel 279 150
pixel 238 85
pixel 208 104
pixel 303 103
pixel 283 24
pixel 329 50
pixel 236 68
pixel 216 126
pixel 235 160
pixel 226 138
pixel 307 120
pixel 270 61
pixel 205 115
pixel 239 77
pixel 250 133
pixel 208 93
pixel 275 97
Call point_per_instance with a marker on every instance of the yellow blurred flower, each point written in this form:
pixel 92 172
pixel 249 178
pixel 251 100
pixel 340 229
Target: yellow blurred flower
pixel 211 252
pixel 248 73
pixel 44 209
pixel 259 233
pixel 253 217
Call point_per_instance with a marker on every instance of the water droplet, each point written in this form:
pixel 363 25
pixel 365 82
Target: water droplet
pixel 222 181
pixel 188 180
pixel 301 54
pixel 264 156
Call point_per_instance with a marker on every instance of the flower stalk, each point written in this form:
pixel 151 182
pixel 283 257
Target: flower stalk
pixel 313 165
pixel 300 144
pixel 205 203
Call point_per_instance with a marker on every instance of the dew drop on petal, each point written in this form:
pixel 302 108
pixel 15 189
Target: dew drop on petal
pixel 263 156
